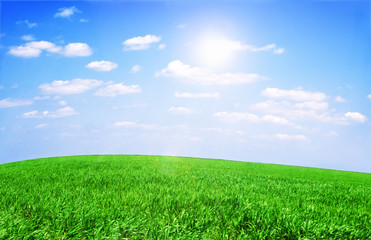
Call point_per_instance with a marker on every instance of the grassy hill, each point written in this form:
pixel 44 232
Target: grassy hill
pixel 153 197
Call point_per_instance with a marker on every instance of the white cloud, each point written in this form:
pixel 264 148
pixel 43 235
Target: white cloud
pixel 74 86
pixel 356 116
pixel 129 124
pixel 42 125
pixel 45 45
pixel 28 37
pixel 112 90
pixel 203 76
pixel 315 106
pixel 181 26
pixel 60 113
pixel 104 66
pixel 332 134
pixel 41 98
pixel 275 119
pixel 197 95
pixel 28 23
pixel 77 50
pixel 281 136
pixel 35 48
pixel 8 102
pixel 136 68
pixel 340 99
pixel 83 20
pixel 278 50
pixel 369 96
pixel 181 110
pixel 66 12
pixel 62 103
pixel 298 111
pixel 229 46
pixel 236 116
pixel 24 51
pixel 162 46
pixel 295 95
pixel 140 43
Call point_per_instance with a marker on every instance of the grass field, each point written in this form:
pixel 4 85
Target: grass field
pixel 153 197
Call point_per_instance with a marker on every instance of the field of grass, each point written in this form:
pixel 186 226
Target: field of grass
pixel 153 197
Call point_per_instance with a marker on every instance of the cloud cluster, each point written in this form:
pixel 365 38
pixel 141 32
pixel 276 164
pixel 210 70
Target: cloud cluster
pixel 203 76
pixel 77 86
pixel 60 113
pixel 103 66
pixel 8 102
pixel 35 48
pixel 303 105
pixel 140 43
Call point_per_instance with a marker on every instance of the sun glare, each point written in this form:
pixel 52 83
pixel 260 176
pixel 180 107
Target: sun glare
pixel 215 51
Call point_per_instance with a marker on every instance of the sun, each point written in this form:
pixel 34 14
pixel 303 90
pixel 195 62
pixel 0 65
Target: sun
pixel 215 50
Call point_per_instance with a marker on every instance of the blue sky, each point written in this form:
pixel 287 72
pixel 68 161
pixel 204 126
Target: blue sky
pixel 260 81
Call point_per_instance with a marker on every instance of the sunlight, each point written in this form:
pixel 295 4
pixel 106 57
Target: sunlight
pixel 215 51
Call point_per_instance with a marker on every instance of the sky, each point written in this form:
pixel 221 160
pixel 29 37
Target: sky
pixel 260 81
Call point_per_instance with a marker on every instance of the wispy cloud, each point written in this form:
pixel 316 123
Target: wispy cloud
pixel 136 68
pixel 75 86
pixel 60 113
pixel 162 46
pixel 103 66
pixel 28 23
pixel 296 95
pixel 140 43
pixel 35 48
pixel 275 119
pixel 203 76
pixel 42 125
pixel 129 124
pixel 197 95
pixel 113 90
pixel 369 96
pixel 66 12
pixel 28 37
pixel 282 136
pixel 236 116
pixel 181 110
pixel 356 116
pixel 181 26
pixel 340 99
pixel 229 46
pixel 250 117
pixel 8 102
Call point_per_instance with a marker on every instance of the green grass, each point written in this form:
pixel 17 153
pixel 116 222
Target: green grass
pixel 153 197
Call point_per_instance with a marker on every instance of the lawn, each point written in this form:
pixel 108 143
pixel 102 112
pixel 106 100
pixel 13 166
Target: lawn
pixel 157 197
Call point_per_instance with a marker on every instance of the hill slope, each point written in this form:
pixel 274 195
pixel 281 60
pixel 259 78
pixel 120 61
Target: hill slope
pixel 153 197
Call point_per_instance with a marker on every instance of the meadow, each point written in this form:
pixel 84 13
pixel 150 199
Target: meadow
pixel 157 197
